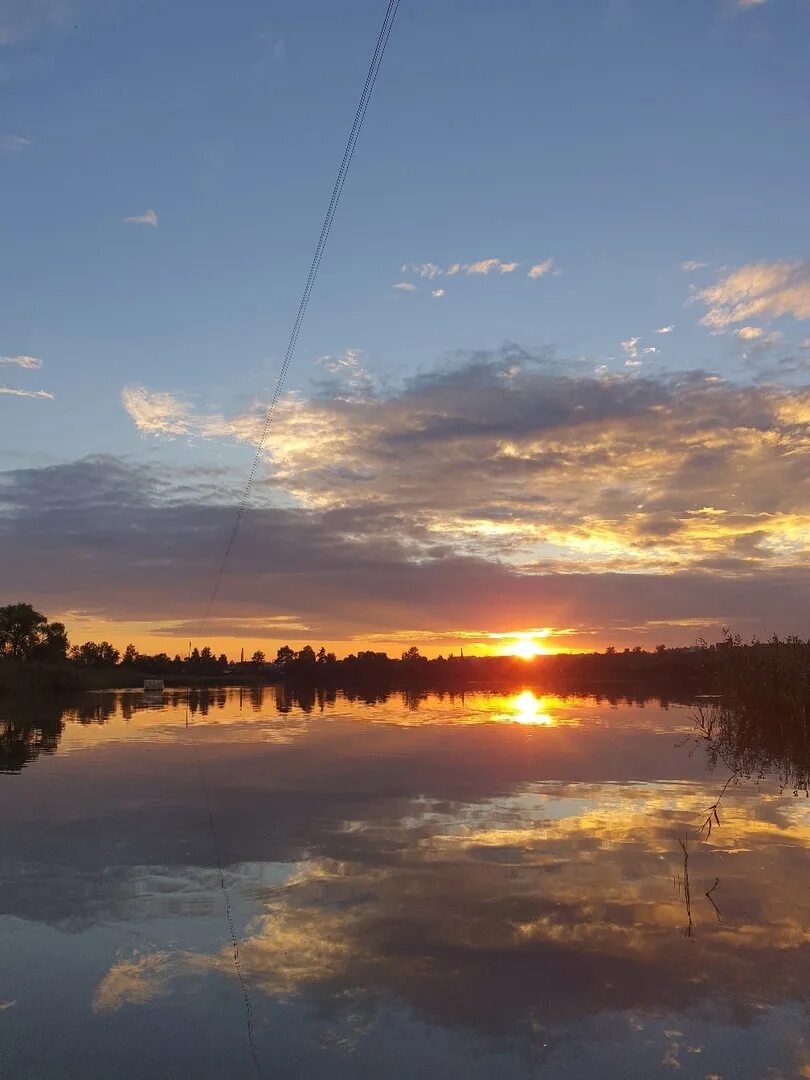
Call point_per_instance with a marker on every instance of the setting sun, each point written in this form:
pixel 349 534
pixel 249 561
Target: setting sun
pixel 526 647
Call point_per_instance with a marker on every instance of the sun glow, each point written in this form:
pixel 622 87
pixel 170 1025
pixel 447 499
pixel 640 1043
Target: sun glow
pixel 528 709
pixel 526 646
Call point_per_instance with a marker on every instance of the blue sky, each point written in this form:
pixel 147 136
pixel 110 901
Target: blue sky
pixel 619 140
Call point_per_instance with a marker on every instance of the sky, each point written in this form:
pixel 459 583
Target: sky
pixel 554 376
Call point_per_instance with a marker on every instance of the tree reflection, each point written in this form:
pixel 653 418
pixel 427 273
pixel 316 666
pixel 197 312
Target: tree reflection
pixel 754 742
pixel 25 735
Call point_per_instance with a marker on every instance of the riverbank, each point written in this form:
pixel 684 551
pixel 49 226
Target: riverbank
pixel 57 678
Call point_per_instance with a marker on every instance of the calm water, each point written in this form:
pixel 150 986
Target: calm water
pixel 481 887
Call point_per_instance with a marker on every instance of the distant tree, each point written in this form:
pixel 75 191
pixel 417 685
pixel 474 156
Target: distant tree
pixel 307 656
pixel 321 657
pixel 285 655
pixel 660 649
pixel 412 654
pixel 130 657
pixel 194 659
pixel 637 649
pixel 206 656
pixel 610 650
pixel 258 658
pixel 54 646
pixel 222 660
pixel 95 654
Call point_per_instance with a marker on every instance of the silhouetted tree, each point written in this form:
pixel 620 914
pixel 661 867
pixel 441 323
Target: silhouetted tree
pixel 258 658
pixel 285 655
pixel 54 647
pixel 95 654
pixel 26 634
pixel 130 657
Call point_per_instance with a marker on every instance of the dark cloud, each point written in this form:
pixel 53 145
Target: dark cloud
pixel 497 492
pixel 111 538
pixel 508 455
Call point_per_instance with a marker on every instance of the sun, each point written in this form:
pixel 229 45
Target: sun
pixel 525 647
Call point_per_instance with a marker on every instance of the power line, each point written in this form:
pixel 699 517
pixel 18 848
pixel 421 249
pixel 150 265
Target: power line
pixel 337 190
pixel 226 899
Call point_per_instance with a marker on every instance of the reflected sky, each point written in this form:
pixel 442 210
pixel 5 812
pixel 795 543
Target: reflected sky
pixel 449 886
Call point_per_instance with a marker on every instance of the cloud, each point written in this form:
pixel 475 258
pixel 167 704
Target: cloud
pixel 345 374
pixel 405 286
pixel 524 449
pixel 156 412
pixel 43 394
pixel 665 329
pixel 424 270
pixel 541 268
pixel 32 363
pixel 133 982
pixel 483 266
pixel 749 333
pixel 693 264
pixel 758 290
pixel 507 479
pixel 13 144
pixel 630 346
pixel 370 910
pixel 634 353
pixel 437 292
pixel 148 217
pixel 431 271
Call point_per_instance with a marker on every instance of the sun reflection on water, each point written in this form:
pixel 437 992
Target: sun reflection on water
pixel 528 709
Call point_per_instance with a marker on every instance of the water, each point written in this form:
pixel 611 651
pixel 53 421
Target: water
pixel 439 888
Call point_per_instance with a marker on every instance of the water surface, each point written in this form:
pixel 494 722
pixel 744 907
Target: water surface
pixel 480 886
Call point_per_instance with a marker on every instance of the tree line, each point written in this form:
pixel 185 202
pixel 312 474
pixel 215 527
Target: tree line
pixel 27 637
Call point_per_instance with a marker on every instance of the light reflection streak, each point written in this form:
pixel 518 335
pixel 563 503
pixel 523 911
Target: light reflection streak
pixel 529 710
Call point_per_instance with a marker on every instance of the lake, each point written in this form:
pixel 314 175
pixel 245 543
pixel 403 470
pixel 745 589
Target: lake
pixel 434 886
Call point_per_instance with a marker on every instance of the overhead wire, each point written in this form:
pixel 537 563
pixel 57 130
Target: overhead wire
pixel 226 899
pixel 326 228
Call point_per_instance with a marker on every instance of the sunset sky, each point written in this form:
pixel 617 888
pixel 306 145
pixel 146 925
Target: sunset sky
pixel 555 375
